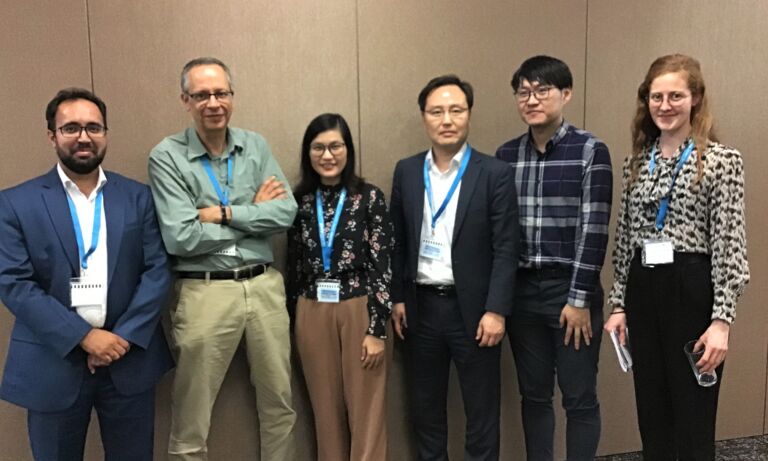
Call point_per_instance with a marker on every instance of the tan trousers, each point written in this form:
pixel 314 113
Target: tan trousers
pixel 348 401
pixel 207 327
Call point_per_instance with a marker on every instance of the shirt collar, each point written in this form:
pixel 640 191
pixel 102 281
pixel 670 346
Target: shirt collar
pixel 455 161
pixel 196 149
pixel 70 185
pixel 558 136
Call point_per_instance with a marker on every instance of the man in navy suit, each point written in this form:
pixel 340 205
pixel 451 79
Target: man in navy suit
pixel 456 234
pixel 84 271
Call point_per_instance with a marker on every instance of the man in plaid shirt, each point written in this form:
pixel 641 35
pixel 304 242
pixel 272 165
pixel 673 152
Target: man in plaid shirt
pixel 564 186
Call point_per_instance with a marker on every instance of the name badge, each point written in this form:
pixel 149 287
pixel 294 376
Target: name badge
pixel 228 251
pixel 328 290
pixel 432 249
pixel 87 296
pixel 658 251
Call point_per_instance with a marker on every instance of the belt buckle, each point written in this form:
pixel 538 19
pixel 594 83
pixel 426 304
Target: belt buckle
pixel 236 274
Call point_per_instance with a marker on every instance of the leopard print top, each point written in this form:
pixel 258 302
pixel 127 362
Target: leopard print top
pixel 707 217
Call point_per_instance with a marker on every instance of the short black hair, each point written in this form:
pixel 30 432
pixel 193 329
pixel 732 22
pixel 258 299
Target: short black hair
pixel 545 70
pixel 310 179
pixel 449 79
pixel 203 61
pixel 71 94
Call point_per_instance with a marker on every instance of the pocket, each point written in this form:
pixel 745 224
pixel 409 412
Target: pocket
pixel 183 295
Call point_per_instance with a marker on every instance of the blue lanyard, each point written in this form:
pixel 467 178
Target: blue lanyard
pixel 223 194
pixel 78 232
pixel 661 215
pixel 456 181
pixel 326 244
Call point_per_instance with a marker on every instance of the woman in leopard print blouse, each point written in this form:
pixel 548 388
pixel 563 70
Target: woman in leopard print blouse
pixel 691 293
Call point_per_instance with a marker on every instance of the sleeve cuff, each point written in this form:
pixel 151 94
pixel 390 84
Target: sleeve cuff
pixel 579 298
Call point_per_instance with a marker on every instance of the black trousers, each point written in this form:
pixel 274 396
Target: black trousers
pixel 667 306
pixel 126 423
pixel 537 338
pixel 438 338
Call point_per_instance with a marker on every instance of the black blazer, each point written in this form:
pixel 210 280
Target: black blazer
pixel 485 237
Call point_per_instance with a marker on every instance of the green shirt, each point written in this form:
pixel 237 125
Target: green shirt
pixel 180 186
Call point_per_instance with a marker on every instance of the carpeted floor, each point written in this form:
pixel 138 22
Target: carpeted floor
pixel 746 449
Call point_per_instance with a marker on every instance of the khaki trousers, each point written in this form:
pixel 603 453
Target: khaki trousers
pixel 348 401
pixel 207 327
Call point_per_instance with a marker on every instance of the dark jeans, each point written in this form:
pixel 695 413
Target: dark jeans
pixel 537 344
pixel 126 424
pixel 668 306
pixel 439 337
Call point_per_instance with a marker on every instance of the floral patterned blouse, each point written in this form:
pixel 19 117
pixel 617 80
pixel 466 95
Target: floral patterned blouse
pixel 705 217
pixel 361 251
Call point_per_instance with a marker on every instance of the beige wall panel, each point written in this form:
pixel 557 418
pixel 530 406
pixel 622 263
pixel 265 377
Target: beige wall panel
pixel 290 61
pixel 623 39
pixel 403 44
pixel 44 48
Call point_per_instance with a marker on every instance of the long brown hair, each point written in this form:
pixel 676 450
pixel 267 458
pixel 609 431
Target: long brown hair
pixel 645 131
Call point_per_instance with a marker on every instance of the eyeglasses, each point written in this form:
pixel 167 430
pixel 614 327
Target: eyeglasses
pixel 673 98
pixel 73 130
pixel 204 96
pixel 335 148
pixel 454 112
pixel 540 93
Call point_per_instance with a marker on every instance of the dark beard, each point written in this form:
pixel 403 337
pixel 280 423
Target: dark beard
pixel 81 166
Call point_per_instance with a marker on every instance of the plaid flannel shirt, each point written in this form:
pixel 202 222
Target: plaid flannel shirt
pixel 564 195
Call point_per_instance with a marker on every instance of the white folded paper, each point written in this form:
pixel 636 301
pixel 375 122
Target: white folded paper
pixel 622 352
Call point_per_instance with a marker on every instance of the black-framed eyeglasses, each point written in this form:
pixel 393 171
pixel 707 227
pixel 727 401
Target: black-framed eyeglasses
pixel 540 93
pixel 205 96
pixel 335 148
pixel 73 130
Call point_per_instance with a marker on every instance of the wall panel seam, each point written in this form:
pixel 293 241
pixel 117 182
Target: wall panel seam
pixel 586 63
pixel 359 158
pixel 90 45
pixel 765 394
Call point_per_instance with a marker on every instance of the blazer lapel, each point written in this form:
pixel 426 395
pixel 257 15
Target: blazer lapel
pixel 114 214
pixel 468 183
pixel 418 201
pixel 55 200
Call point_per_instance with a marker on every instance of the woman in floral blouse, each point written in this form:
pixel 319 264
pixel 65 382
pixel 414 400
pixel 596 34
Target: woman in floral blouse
pixel 339 298
pixel 680 258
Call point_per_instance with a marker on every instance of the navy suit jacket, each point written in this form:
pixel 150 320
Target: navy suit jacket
pixel 38 256
pixel 485 243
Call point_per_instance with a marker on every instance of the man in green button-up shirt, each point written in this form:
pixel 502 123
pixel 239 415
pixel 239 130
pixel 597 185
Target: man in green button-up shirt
pixel 219 195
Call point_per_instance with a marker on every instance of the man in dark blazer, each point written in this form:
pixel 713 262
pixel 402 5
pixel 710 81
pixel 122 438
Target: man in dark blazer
pixel 456 237
pixel 84 271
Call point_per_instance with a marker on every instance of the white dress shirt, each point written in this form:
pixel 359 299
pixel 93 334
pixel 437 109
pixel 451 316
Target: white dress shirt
pixel 439 271
pixel 97 263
